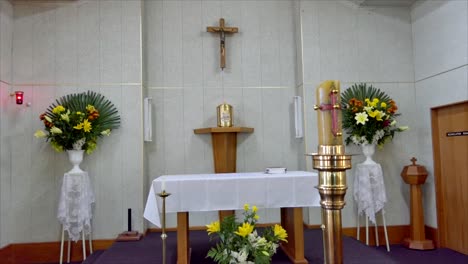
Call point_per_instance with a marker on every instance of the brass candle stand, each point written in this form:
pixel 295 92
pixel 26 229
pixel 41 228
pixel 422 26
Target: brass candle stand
pixel 163 195
pixel 332 163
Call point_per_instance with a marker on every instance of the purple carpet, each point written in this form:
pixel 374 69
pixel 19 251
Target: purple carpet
pixel 148 251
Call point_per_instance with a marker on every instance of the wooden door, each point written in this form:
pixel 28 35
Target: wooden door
pixel 450 143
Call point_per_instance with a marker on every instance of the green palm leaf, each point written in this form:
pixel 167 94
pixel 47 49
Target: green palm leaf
pixel 361 91
pixel 107 119
pixel 108 114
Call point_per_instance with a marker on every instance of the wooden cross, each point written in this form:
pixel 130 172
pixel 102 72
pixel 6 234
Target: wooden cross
pixel 222 30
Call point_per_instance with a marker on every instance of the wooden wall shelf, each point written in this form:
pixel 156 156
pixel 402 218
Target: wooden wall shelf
pixel 223 130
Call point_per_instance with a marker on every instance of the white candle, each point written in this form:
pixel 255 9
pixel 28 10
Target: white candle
pixel 163 186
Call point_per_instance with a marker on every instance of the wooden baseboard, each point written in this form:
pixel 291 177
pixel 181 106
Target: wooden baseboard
pixel 197 228
pixel 432 234
pixel 311 226
pixel 50 251
pixel 5 254
pixel 46 251
pixel 396 234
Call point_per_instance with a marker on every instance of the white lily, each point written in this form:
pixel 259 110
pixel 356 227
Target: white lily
pixel 40 134
pixel 55 130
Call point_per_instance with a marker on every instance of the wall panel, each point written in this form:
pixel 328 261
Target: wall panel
pixel 344 42
pixel 258 81
pixel 62 48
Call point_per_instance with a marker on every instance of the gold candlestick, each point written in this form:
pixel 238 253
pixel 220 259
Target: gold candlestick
pixel 163 195
pixel 332 163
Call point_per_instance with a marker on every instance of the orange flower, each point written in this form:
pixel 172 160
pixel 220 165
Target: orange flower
pixel 94 115
pixel 48 124
pixel 392 109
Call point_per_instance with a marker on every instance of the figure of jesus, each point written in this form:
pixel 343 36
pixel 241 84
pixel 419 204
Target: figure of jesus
pixel 222 30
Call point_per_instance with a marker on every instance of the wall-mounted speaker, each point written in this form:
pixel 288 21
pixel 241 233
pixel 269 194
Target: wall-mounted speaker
pixel 147 119
pixel 298 117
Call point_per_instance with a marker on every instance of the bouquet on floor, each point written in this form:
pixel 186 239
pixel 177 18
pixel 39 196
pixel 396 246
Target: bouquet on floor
pixel 241 243
pixel 76 121
pixel 369 115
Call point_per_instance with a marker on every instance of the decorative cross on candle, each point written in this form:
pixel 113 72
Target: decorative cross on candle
pixel 222 30
pixel 334 107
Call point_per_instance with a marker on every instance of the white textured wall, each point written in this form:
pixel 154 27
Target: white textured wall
pixel 61 48
pixel 186 83
pixel 300 91
pixel 440 36
pixel 373 45
pixel 6 26
pixel 284 48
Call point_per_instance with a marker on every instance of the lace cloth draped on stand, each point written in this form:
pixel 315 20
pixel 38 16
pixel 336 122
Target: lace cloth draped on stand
pixel 75 204
pixel 369 189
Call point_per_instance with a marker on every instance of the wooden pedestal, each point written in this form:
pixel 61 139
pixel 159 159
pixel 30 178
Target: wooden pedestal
pixel 417 238
pixel 418 244
pixel 224 141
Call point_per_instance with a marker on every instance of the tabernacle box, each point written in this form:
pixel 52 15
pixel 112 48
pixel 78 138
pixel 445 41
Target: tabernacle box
pixel 275 170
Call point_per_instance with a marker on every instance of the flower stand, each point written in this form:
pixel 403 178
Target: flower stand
pixel 370 197
pixel 75 210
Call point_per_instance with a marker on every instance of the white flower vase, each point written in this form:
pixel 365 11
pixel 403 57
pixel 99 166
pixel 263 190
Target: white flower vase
pixel 368 150
pixel 75 157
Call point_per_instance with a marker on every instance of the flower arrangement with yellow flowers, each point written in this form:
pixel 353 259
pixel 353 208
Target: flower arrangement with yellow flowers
pixel 76 121
pixel 241 243
pixel 369 115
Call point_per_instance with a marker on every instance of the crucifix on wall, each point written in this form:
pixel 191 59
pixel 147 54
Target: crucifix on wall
pixel 222 30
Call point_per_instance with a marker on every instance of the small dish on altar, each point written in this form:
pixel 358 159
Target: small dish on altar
pixel 275 170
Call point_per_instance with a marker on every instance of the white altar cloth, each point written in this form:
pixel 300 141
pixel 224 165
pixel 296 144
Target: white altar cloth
pixel 369 189
pixel 75 204
pixel 230 191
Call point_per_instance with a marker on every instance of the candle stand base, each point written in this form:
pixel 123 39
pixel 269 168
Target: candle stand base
pixel 163 194
pixel 418 244
pixel 129 236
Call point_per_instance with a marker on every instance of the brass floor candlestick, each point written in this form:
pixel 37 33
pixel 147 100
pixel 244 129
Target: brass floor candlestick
pixel 163 195
pixel 332 163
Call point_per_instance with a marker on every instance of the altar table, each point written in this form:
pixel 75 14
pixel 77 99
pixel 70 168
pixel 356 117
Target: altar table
pixel 230 191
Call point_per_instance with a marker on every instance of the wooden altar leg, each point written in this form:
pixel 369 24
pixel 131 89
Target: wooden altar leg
pixel 224 213
pixel 291 220
pixel 183 242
